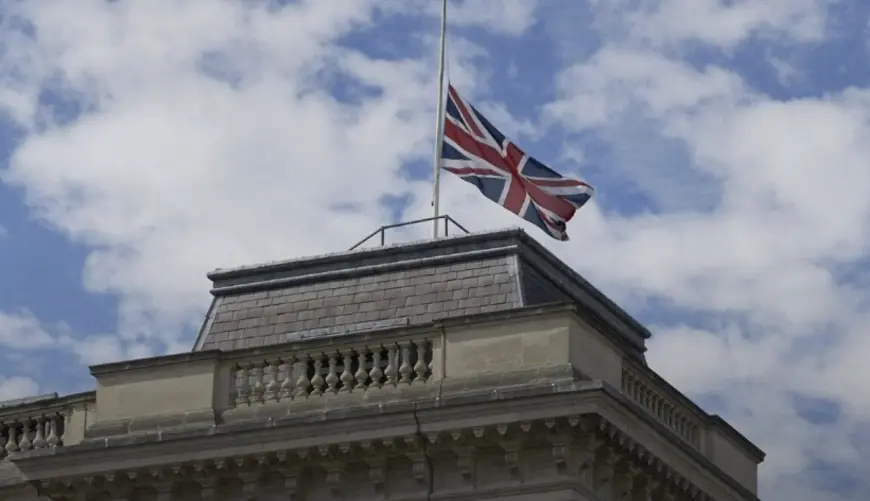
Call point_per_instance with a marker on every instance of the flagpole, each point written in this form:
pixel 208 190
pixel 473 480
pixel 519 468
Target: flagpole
pixel 439 127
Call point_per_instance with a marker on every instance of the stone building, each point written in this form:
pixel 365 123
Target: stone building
pixel 462 368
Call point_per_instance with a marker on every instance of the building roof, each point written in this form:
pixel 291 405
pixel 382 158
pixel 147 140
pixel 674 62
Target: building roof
pixel 408 284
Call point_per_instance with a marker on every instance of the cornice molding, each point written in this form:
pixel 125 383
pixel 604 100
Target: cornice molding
pixel 392 429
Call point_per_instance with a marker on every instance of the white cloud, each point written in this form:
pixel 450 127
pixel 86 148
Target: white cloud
pixel 174 169
pixel 22 330
pixel 17 387
pixel 22 334
pixel 507 17
pixel 615 79
pixel 99 349
pixel 668 23
pixel 200 173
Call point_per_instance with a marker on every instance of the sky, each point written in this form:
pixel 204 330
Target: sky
pixel 144 143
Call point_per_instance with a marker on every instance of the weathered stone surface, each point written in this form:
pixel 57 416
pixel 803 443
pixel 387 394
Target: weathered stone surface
pixel 398 285
pixel 330 307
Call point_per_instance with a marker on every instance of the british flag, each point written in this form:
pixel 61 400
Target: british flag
pixel 478 153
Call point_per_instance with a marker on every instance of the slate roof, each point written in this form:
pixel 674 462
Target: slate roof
pixel 398 285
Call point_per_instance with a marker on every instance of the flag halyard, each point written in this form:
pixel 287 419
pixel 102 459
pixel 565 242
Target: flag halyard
pixel 473 149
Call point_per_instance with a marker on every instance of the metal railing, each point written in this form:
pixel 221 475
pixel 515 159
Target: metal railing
pixel 383 229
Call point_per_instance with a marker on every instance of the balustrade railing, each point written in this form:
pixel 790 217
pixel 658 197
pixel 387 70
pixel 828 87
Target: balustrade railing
pixel 31 432
pixel 653 399
pixel 40 424
pixel 315 371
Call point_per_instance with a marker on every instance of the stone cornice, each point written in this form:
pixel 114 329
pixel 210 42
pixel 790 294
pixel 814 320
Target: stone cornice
pixel 339 260
pixel 50 406
pixel 738 437
pixel 152 362
pixel 386 423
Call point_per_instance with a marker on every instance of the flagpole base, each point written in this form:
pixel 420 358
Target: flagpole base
pixel 381 232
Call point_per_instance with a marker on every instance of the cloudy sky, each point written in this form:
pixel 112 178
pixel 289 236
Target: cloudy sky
pixel 146 142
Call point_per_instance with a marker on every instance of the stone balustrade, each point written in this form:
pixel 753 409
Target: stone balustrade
pixel 46 423
pixel 322 402
pixel 311 370
pixel 667 408
pixel 32 432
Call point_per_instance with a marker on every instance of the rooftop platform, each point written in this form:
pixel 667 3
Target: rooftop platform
pixel 399 285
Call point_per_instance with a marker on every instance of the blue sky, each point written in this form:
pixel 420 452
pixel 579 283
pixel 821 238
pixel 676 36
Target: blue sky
pixel 146 143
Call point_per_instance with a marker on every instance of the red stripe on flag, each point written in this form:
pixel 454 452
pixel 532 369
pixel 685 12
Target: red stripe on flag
pixel 464 111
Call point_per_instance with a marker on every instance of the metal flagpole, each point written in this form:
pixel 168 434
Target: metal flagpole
pixel 439 128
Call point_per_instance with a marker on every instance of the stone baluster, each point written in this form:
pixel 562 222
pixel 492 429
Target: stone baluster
pixel 405 369
pixel 420 368
pixel 332 376
pixel 273 389
pixel 392 371
pixel 317 381
pixel 242 385
pixel 362 376
pixel 39 437
pixel 12 437
pixel 259 389
pixel 24 444
pixel 302 382
pixel 53 439
pixel 376 373
pixel 287 383
pixel 347 378
pixel 65 417
pixel 4 428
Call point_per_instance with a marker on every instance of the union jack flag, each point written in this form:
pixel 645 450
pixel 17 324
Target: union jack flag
pixel 478 153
